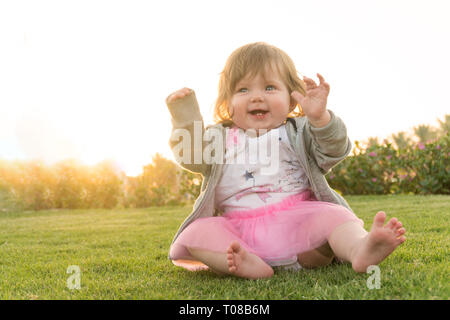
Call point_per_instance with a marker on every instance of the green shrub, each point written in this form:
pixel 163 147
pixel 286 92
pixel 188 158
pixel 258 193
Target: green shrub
pixel 423 168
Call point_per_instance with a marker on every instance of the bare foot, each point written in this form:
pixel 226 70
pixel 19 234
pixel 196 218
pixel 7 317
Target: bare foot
pixel 379 242
pixel 246 265
pixel 191 265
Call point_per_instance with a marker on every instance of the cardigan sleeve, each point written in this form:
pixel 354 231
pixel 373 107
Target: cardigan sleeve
pixel 328 145
pixel 186 140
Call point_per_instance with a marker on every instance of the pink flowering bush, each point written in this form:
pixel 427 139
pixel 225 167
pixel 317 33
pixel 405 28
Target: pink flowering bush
pixel 382 169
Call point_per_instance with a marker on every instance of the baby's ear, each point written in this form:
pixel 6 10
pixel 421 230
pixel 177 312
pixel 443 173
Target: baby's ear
pixel 292 104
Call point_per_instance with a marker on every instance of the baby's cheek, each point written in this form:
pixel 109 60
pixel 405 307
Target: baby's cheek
pixel 231 110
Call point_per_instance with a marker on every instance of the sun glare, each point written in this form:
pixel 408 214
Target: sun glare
pixel 95 90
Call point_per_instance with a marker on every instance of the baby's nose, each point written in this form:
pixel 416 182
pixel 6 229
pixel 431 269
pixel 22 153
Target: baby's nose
pixel 256 98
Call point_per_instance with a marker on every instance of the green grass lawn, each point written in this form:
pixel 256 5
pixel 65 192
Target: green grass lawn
pixel 122 254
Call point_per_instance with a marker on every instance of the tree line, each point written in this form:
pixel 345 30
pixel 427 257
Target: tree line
pixel 69 184
pixel 411 163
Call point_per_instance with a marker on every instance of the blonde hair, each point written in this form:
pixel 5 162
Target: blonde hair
pixel 251 59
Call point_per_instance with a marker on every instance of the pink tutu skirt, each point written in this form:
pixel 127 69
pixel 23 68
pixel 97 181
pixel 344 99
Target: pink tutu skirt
pixel 276 233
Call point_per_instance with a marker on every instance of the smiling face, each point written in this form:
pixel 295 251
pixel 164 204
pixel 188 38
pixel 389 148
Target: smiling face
pixel 260 102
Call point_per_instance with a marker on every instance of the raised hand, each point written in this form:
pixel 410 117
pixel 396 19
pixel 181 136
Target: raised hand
pixel 178 94
pixel 314 103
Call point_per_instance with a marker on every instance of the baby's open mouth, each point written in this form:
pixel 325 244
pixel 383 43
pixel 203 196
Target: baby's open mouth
pixel 258 112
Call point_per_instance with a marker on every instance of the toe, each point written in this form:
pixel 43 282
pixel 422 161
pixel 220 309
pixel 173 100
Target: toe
pixel 401 239
pixel 392 223
pixel 401 231
pixel 379 219
pixel 235 246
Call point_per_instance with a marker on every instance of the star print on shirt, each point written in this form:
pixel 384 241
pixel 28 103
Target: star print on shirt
pixel 248 175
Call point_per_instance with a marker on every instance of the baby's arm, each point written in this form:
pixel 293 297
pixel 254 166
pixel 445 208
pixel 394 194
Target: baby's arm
pixel 325 135
pixel 187 122
pixel 328 145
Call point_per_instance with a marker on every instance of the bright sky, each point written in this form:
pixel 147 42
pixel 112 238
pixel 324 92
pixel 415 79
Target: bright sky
pixel 88 79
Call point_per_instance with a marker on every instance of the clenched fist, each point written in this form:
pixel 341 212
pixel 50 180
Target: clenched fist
pixel 178 94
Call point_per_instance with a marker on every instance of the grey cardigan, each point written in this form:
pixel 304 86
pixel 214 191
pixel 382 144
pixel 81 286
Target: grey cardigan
pixel 317 149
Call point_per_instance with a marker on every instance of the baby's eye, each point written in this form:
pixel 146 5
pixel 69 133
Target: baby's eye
pixel 242 90
pixel 270 88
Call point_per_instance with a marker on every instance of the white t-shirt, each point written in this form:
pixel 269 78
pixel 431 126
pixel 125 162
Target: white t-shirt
pixel 258 170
